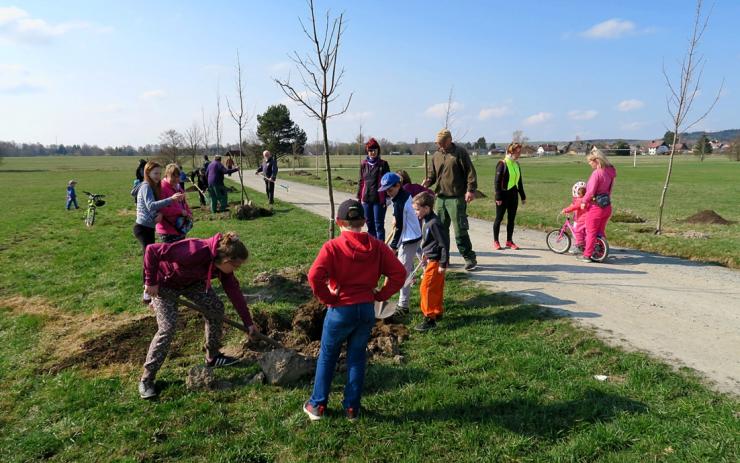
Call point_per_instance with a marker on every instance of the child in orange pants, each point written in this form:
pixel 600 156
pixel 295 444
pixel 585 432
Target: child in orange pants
pixel 435 245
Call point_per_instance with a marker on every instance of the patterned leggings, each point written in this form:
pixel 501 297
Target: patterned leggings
pixel 165 308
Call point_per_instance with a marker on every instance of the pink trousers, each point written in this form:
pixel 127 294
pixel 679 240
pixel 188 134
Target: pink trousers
pixel 596 220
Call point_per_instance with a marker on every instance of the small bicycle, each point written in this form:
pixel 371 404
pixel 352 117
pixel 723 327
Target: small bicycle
pixel 560 240
pixel 93 203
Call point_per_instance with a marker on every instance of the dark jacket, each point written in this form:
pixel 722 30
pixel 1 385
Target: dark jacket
pixel 501 181
pixel 269 168
pixel 367 189
pixel 435 240
pixel 216 172
pixel 140 171
pixel 453 172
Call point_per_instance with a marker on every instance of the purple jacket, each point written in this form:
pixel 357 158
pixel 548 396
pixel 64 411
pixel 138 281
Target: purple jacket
pixel 184 263
pixel 414 189
pixel 600 182
pixel 216 172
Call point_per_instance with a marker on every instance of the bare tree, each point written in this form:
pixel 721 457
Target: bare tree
pixel 192 140
pixel 682 94
pixel 170 142
pixel 241 118
pixel 321 78
pixel 206 132
pixel 217 125
pixel 518 137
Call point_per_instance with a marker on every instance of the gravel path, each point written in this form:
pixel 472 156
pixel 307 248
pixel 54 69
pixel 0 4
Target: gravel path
pixel 681 311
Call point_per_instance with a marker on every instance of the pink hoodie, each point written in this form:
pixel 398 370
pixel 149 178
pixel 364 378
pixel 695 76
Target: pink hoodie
pixel 579 215
pixel 183 263
pixel 600 182
pixel 171 212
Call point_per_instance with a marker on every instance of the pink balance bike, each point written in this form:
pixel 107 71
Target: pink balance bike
pixel 560 240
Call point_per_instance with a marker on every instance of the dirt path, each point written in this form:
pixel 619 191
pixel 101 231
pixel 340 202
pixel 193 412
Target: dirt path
pixel 681 311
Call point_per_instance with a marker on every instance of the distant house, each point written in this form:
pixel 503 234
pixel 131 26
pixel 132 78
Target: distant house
pixel 528 150
pixel 681 146
pixel 547 149
pixel 577 147
pixel 657 147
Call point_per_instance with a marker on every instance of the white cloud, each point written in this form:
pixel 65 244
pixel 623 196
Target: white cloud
pixel 538 118
pixel 16 80
pixel 582 115
pixel 630 105
pixel 493 112
pixel 153 95
pixel 17 26
pixel 610 29
pixel 440 109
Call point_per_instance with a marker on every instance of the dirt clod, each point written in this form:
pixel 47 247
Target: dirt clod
pixel 707 216
pixel 200 378
pixel 284 366
pixel 309 320
pixel 248 212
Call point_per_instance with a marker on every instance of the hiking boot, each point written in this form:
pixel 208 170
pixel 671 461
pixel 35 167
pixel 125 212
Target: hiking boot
pixel 511 245
pixel 470 265
pixel 496 246
pixel 314 413
pixel 221 360
pixel 146 389
pixel 585 259
pixel 352 414
pixel 426 325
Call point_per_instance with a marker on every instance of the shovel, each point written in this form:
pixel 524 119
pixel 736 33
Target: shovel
pixel 236 325
pixel 384 309
pixel 281 185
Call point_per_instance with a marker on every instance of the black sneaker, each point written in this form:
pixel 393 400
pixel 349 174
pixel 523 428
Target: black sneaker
pixel 402 310
pixel 426 325
pixel 470 265
pixel 221 360
pixel 147 390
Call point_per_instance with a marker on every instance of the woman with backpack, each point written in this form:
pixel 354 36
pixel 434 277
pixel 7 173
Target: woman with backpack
pixel 372 169
pixel 177 218
pixel 508 187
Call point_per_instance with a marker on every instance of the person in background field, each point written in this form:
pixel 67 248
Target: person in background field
pixel 183 177
pixel 167 227
pixel 186 268
pixel 411 188
pixel 200 180
pixel 148 204
pixel 269 170
pixel 216 188
pixel 508 186
pixel 597 200
pixel 372 169
pixel 344 276
pixel 435 249
pixel 579 217
pixel 140 172
pixel 454 173
pixel 229 162
pixel 71 194
pixel 406 231
pixel 206 161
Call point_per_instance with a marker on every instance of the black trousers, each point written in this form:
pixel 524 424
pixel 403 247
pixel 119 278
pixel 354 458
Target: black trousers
pixel 145 236
pixel 270 190
pixel 509 205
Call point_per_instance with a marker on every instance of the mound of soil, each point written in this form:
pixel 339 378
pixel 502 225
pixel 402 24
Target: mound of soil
pixel 129 343
pixel 707 217
pixel 247 212
pixel 289 282
pixel 626 216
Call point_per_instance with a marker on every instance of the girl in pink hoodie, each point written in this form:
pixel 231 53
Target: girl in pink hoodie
pixel 598 200
pixel 167 227
pixel 579 216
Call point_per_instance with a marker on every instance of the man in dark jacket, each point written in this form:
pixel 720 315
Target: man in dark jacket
pixel 269 170
pixel 454 173
pixel 216 189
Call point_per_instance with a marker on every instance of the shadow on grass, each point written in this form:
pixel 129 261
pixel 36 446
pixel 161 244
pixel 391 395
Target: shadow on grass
pixel 381 377
pixel 528 417
pixel 519 314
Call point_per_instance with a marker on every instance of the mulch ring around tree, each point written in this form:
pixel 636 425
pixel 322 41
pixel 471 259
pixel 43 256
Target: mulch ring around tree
pixel 707 217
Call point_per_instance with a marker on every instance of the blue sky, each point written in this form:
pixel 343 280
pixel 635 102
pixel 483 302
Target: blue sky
pixel 113 73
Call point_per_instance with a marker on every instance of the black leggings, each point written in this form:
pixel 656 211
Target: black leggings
pixel 509 204
pixel 270 191
pixel 145 235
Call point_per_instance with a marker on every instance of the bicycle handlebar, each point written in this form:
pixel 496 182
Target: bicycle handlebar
pixel 93 195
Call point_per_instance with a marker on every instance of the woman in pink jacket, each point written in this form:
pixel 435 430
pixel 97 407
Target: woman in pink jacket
pixel 167 228
pixel 598 201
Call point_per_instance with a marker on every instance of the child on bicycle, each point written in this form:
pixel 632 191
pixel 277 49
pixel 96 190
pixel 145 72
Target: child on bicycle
pixel 579 217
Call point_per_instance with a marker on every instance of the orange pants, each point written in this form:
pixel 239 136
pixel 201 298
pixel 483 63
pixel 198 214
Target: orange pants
pixel 431 290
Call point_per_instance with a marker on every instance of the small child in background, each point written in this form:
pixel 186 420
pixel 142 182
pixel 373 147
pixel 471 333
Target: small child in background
pixel 579 217
pixel 435 248
pixel 71 194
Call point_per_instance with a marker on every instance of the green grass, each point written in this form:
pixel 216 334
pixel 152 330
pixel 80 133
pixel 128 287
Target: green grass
pixel 695 186
pixel 500 381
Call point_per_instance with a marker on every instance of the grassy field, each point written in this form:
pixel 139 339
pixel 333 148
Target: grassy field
pixel 695 186
pixel 500 381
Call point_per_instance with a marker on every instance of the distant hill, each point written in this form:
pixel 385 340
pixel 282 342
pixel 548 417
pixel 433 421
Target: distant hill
pixel 722 135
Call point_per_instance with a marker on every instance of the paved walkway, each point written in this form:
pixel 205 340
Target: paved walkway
pixel 681 311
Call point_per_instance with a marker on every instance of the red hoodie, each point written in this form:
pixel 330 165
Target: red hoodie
pixel 353 262
pixel 183 263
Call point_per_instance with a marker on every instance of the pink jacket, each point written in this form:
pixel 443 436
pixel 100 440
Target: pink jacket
pixel 171 212
pixel 600 182
pixel 184 263
pixel 579 215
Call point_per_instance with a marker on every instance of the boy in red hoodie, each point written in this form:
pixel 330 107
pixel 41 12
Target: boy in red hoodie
pixel 344 276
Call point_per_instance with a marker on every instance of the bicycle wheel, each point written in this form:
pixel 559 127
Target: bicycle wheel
pixel 601 250
pixel 558 242
pixel 90 218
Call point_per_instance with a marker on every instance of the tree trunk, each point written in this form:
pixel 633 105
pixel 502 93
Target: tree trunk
pixel 659 227
pixel 426 164
pixel 328 178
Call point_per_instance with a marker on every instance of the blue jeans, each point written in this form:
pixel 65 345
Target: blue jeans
pixel 352 323
pixel 375 217
pixel 71 201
